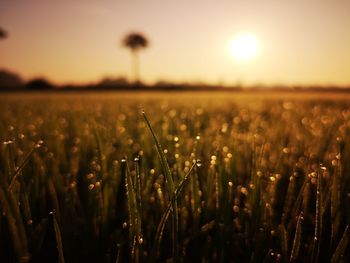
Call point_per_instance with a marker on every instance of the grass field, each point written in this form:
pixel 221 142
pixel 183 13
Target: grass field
pixel 236 177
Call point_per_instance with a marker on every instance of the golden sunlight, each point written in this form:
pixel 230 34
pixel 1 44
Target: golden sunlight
pixel 244 46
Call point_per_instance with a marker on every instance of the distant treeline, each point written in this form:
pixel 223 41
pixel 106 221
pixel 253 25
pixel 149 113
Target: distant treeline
pixel 12 82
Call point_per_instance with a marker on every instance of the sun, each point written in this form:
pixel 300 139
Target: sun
pixel 244 46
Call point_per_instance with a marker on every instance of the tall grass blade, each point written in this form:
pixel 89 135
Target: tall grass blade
pixel 299 199
pixel 135 231
pixel 343 243
pixel 21 166
pixel 171 189
pixel 284 239
pixel 165 216
pixel 162 158
pixel 137 183
pixel 11 159
pixel 297 239
pixel 58 237
pixel 54 199
pixel 318 222
pixel 335 201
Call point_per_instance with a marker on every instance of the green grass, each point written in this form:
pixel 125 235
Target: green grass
pixel 220 178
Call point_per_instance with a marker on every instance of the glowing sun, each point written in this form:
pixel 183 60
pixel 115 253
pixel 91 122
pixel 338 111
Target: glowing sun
pixel 244 46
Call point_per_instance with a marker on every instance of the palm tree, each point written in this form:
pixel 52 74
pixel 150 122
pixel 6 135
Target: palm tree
pixel 135 42
pixel 3 33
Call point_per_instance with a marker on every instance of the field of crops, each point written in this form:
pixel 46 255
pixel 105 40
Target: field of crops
pixel 233 177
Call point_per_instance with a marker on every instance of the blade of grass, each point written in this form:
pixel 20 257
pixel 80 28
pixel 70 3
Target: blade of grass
pixel 52 193
pixel 171 189
pixel 335 202
pixel 22 165
pixel 11 159
pixel 299 199
pixel 162 158
pixel 164 219
pixel 297 239
pixel 343 243
pixel 134 216
pixel 137 183
pixel 58 237
pixel 284 239
pixel 318 222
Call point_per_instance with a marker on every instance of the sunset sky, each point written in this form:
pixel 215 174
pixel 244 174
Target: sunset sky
pixel 299 42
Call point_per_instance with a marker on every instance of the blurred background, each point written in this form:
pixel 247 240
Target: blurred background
pixel 219 43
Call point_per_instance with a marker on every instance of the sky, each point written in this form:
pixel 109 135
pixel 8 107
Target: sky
pixel 301 42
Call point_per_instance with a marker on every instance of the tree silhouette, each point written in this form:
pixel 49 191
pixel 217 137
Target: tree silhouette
pixel 3 33
pixel 135 42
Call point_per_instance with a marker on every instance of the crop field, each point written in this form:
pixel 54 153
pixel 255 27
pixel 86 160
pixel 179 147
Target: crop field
pixel 174 177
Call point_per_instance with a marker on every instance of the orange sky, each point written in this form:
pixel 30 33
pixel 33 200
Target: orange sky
pixel 79 41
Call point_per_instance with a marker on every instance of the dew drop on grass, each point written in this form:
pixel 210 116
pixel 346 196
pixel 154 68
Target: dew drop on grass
pixel 244 191
pixel 286 150
pixel 199 163
pixel 89 176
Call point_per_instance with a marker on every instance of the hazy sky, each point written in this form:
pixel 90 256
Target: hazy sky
pixel 302 41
